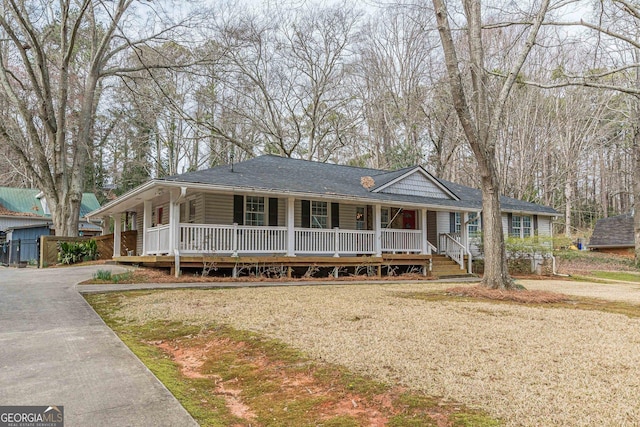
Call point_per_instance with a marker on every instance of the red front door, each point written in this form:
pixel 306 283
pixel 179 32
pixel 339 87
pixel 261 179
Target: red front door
pixel 409 220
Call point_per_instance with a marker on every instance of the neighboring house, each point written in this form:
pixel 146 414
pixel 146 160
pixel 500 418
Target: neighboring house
pixel 278 207
pixel 25 216
pixel 613 234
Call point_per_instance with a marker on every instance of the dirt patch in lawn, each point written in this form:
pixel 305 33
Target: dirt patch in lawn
pixel 257 385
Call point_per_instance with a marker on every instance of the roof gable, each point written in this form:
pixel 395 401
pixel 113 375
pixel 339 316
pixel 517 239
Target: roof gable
pixel 416 182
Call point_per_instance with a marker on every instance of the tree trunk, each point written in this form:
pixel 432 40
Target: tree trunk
pixel 496 271
pixel 568 191
pixel 480 116
pixel 636 196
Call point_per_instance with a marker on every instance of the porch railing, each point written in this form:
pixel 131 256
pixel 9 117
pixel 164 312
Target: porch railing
pixel 455 250
pixel 334 241
pixel 210 238
pixel 158 240
pixel 401 240
pixel 237 239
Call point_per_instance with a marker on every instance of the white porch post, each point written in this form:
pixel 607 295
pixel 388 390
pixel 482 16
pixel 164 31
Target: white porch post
pixel 146 224
pixel 174 224
pixel 423 226
pixel 464 237
pixel 464 229
pixel 117 229
pixel 377 227
pixel 291 237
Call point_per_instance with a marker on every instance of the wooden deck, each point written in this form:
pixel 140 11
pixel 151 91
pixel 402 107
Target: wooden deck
pixel 195 261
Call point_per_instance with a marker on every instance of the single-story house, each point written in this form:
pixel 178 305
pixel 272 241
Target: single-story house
pixel 278 209
pixel 25 216
pixel 613 234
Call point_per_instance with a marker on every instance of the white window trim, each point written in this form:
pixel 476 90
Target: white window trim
pixel 265 209
pixel 314 217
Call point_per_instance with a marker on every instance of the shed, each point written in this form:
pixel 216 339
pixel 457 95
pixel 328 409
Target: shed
pixel 613 234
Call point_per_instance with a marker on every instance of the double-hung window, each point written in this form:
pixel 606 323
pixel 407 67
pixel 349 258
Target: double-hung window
pixel 520 226
pixel 526 226
pixel 254 210
pixel 474 224
pixel 319 214
pixel 360 218
pixel 385 215
pixel 457 223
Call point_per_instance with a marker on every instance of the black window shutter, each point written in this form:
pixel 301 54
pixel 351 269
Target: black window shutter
pixel 273 211
pixel 535 224
pixel 335 215
pixel 452 222
pixel 481 225
pixel 306 213
pixel 238 209
pixel 510 223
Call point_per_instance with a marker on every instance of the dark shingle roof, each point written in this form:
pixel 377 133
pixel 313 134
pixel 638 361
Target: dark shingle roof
pixel 616 231
pixel 293 175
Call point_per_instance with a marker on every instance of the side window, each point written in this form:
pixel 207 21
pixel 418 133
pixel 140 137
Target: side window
pixel 526 226
pixel 516 226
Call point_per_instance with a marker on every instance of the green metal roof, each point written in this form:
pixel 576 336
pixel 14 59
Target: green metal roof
pixel 24 201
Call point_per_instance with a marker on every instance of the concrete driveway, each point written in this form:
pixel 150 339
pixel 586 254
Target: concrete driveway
pixel 55 350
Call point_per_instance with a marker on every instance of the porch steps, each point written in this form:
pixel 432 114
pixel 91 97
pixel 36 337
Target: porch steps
pixel 444 267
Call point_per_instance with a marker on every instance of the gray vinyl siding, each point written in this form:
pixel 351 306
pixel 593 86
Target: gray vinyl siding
pixel 139 227
pixel 443 223
pixel 544 226
pixel 416 184
pixel 218 209
pixel 348 216
pixel 505 225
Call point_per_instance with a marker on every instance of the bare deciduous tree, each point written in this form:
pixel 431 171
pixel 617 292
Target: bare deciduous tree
pixel 480 117
pixel 52 64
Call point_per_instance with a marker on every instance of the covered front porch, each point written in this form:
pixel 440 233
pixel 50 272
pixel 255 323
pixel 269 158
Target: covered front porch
pixel 292 230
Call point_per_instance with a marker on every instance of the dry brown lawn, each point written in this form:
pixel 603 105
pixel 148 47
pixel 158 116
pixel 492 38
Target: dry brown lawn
pixel 529 366
pixel 625 292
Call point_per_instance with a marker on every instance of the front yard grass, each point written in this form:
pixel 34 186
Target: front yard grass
pixel 403 355
pixel 618 275
pixel 230 377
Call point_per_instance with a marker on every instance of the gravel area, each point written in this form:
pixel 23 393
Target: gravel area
pixel 528 366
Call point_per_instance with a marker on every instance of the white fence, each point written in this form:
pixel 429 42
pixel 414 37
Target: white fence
pixel 237 239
